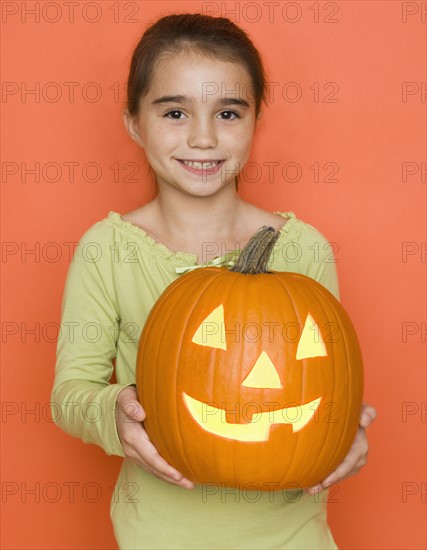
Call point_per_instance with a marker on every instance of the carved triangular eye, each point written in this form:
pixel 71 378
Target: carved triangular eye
pixel 211 331
pixel 311 343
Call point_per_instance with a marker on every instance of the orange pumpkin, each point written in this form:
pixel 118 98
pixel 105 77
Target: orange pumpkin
pixel 250 378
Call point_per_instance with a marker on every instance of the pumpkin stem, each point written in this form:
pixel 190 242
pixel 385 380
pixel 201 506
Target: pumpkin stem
pixel 256 253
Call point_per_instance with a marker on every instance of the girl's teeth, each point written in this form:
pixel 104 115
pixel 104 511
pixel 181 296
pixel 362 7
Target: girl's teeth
pixel 205 165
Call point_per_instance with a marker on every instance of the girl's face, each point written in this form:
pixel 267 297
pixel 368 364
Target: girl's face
pixel 196 123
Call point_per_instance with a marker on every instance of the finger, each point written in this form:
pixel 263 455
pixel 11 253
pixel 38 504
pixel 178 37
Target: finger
pixel 349 467
pixel 343 471
pixel 135 457
pixel 133 410
pixel 367 415
pixel 352 463
pixel 182 482
pixel 333 478
pixel 151 456
pixel 158 464
pixel 315 489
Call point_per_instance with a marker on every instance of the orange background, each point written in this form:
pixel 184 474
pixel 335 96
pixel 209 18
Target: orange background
pixel 358 53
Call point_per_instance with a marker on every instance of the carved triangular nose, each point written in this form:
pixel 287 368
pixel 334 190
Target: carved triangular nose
pixel 263 374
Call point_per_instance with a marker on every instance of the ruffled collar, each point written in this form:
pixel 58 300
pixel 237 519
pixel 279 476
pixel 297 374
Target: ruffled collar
pixel 189 259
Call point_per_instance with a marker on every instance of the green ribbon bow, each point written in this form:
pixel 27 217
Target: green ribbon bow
pixel 228 260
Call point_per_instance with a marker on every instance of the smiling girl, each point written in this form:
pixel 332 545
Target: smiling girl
pixel 195 90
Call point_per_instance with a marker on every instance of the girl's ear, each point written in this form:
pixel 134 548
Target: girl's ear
pixel 131 125
pixel 259 115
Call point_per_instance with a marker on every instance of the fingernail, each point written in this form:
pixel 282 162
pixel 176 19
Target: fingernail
pixel 188 484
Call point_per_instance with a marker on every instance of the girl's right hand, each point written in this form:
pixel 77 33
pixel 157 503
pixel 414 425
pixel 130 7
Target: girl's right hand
pixel 135 442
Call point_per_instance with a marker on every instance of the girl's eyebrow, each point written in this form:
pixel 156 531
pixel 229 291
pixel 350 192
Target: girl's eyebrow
pixel 184 99
pixel 171 99
pixel 233 101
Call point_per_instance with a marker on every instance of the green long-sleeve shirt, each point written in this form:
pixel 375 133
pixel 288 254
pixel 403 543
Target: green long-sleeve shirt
pixel 117 274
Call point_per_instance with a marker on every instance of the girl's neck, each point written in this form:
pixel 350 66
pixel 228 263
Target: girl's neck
pixel 201 218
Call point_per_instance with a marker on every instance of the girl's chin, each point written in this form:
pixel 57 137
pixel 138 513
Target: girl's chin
pixel 202 190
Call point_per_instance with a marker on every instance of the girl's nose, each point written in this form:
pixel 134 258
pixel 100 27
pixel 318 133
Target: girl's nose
pixel 202 134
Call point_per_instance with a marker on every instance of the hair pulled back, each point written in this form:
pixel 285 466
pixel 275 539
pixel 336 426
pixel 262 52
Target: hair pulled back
pixel 215 37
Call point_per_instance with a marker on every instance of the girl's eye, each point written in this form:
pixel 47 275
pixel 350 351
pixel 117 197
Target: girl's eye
pixel 230 114
pixel 172 114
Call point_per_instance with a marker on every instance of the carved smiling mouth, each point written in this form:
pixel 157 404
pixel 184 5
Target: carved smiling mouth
pixel 213 420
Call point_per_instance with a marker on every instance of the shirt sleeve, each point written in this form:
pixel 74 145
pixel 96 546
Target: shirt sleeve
pixel 319 259
pixel 82 399
pixel 303 249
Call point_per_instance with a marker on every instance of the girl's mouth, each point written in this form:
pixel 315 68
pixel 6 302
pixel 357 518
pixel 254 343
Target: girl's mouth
pixel 202 167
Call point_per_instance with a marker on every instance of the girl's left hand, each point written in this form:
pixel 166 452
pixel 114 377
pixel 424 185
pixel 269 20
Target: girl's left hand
pixel 356 457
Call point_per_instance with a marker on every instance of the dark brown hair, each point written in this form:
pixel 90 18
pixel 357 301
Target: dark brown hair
pixel 215 37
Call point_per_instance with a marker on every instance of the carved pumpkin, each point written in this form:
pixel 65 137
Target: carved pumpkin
pixel 250 378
